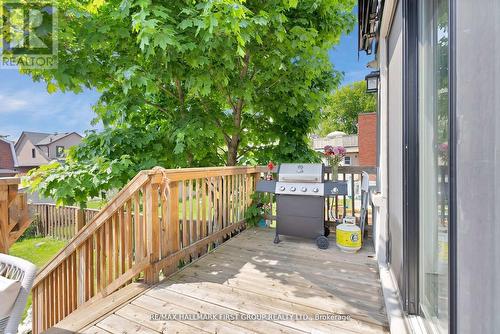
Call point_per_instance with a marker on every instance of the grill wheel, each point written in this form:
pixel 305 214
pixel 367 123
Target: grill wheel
pixel 322 242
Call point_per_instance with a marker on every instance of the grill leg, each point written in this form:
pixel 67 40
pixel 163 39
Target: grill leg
pixel 277 238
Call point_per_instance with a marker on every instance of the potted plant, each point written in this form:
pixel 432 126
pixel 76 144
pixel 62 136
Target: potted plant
pixel 257 212
pixel 334 155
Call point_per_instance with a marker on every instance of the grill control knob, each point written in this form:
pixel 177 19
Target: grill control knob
pixel 315 190
pixel 292 189
pixel 282 188
pixel 303 189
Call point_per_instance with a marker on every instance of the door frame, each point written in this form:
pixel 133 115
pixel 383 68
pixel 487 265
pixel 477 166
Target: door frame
pixel 411 231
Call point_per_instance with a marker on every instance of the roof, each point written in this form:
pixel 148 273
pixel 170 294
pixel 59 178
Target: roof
pixel 12 150
pixel 8 171
pixel 54 137
pixel 335 134
pixel 33 137
pixel 42 138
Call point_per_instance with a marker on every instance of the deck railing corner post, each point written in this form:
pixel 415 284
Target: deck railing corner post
pixel 79 220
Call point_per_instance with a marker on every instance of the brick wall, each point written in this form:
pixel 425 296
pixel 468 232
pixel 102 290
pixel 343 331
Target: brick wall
pixel 367 139
pixel 6 159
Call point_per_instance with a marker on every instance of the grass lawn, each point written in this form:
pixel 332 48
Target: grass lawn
pixel 38 251
pixel 96 204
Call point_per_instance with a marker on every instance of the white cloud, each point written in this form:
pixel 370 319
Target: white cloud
pixel 11 103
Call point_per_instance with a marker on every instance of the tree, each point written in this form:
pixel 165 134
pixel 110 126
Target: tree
pixel 216 81
pixel 343 107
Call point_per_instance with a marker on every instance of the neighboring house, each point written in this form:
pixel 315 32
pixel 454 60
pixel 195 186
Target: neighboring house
pixel 8 159
pixel 437 217
pixel 361 148
pixel 367 142
pixel 34 149
pixel 339 138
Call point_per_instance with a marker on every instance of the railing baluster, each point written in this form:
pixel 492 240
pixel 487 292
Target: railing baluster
pixel 198 209
pixel 191 222
pixel 184 215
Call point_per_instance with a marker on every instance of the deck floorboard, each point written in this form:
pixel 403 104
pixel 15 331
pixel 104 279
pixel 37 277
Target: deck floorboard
pixel 249 275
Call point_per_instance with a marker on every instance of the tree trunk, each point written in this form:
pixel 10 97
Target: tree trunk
pixel 232 151
pixel 233 142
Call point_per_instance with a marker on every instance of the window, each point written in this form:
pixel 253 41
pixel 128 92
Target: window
pixel 433 155
pixel 59 151
pixel 33 153
pixel 347 160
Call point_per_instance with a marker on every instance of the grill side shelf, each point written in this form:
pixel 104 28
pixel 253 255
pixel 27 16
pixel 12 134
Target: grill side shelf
pixel 265 186
pixel 330 187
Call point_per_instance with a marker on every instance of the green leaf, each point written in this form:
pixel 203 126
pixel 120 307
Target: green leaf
pixel 51 88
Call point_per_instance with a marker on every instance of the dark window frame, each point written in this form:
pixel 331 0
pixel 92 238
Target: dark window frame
pixel 411 263
pixel 60 154
pixel 452 165
pixel 33 153
pixel 411 231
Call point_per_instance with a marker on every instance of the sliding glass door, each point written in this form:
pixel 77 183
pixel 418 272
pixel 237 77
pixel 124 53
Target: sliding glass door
pixel 433 138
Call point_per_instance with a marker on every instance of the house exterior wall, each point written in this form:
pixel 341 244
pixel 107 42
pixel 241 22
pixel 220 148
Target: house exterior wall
pixel 478 166
pixel 6 158
pixel 367 133
pixel 68 141
pixel 24 157
pixel 476 105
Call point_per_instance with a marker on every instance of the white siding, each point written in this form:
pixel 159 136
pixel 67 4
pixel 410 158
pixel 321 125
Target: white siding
pixel 395 145
pixel 478 166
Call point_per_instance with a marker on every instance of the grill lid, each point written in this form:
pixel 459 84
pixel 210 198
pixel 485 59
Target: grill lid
pixel 305 173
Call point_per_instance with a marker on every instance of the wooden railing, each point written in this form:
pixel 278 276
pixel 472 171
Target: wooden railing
pixel 161 219
pixel 14 216
pixel 60 222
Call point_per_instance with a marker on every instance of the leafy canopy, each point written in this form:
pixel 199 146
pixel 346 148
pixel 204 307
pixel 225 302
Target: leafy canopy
pixel 192 83
pixel 343 107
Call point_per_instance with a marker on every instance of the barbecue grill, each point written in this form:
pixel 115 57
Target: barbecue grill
pixel 300 201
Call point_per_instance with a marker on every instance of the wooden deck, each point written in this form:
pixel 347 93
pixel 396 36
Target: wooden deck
pixel 249 275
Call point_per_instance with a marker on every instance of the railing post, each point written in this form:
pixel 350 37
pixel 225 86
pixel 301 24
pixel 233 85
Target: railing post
pixel 4 219
pixel 79 220
pixel 152 230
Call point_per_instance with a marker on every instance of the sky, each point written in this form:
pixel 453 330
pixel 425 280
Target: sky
pixel 27 106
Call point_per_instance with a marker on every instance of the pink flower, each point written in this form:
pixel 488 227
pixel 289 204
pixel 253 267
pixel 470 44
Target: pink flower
pixel 334 150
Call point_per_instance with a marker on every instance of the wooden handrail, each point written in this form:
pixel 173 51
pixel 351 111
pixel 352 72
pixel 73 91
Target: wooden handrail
pixel 160 218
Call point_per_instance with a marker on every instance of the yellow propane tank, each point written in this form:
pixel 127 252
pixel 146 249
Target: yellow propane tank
pixel 348 235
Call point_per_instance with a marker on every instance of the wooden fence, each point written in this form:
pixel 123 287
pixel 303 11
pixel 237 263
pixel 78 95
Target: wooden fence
pixel 160 219
pixel 59 222
pixel 14 217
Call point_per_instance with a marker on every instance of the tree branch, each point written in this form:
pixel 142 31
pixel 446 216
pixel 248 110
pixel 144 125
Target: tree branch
pixel 216 121
pixel 180 94
pixel 167 91
pixel 154 105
